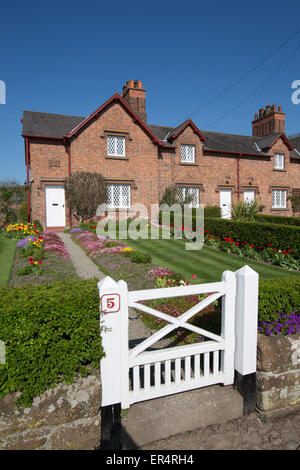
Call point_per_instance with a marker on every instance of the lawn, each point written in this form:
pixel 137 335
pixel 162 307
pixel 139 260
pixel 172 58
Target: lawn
pixel 7 256
pixel 208 264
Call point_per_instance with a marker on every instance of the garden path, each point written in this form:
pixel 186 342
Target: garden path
pixel 86 269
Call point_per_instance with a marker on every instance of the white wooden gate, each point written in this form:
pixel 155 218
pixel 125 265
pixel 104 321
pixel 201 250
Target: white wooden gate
pixel 132 375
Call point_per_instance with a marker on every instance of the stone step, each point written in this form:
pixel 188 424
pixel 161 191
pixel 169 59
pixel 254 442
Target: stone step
pixel 152 420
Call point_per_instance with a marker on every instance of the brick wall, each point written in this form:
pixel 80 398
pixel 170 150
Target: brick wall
pixel 150 170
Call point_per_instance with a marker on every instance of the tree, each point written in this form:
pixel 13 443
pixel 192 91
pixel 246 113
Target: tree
pixel 170 197
pixel 11 195
pixel 84 192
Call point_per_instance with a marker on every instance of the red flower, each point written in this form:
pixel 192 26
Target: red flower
pixel 275 250
pixel 252 246
pixel 245 243
pixel 259 247
pixel 270 244
pixel 40 262
pixel 290 251
pixel 30 258
pixel 194 276
pixel 31 262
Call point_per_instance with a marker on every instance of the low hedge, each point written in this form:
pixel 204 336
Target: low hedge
pixel 278 296
pixel 51 334
pixel 277 219
pixel 281 237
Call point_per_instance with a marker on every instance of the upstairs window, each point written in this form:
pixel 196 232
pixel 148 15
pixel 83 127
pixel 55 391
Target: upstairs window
pixel 187 153
pixel 279 199
pixel 279 161
pixel 184 192
pixel 118 195
pixel 115 146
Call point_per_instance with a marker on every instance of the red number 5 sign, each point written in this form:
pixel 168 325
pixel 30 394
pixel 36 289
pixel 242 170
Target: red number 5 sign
pixel 110 303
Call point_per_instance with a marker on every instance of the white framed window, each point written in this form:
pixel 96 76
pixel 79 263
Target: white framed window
pixel 184 192
pixel 278 161
pixel 115 146
pixel 188 153
pixel 118 195
pixel 279 198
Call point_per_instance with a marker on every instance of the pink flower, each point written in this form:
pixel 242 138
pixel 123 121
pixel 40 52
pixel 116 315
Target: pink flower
pixel 194 276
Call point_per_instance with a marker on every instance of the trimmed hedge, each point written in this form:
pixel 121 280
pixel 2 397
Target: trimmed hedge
pixel 282 237
pixel 277 219
pixel 278 296
pixel 51 333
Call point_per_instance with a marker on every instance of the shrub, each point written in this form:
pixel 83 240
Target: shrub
pixel 245 210
pixel 277 219
pixel 85 192
pixel 38 225
pixel 51 335
pixel 140 257
pixel 212 211
pixel 110 244
pixel 278 296
pixel 281 237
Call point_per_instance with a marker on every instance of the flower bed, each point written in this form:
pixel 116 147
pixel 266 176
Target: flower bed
pixel 41 259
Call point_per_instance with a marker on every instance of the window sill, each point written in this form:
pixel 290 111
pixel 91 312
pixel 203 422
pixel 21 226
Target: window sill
pixel 280 209
pixel 117 157
pixel 188 164
pixel 279 169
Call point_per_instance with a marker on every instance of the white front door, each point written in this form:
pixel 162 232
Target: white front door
pixel 55 206
pixel 225 203
pixel 249 195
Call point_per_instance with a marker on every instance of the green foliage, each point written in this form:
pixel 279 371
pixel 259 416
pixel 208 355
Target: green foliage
pixel 277 219
pixel 11 194
pixel 281 237
pixel 212 211
pixel 23 214
pixel 25 270
pixel 110 244
pixel 139 257
pixel 245 210
pixel 51 335
pixel 277 296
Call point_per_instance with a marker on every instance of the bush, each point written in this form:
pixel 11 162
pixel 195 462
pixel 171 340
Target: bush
pixel 51 335
pixel 110 244
pixel 281 237
pixel 140 257
pixel 278 296
pixel 38 225
pixel 278 219
pixel 212 211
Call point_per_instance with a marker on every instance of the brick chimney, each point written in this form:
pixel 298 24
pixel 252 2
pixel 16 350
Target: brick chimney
pixel 134 94
pixel 268 121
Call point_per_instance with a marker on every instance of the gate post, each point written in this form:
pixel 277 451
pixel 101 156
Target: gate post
pixel 228 320
pixel 114 326
pixel 246 318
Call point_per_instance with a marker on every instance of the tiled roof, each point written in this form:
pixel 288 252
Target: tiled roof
pixel 57 126
pixel 48 125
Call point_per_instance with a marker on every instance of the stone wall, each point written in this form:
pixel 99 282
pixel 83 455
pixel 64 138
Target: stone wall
pixel 278 372
pixel 62 418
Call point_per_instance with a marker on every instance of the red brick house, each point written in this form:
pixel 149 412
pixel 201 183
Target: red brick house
pixel 139 160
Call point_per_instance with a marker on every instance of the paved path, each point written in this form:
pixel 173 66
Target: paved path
pixel 87 269
pixel 253 432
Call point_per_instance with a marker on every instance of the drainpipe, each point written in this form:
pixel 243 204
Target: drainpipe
pixel 27 177
pixel 238 174
pixel 69 174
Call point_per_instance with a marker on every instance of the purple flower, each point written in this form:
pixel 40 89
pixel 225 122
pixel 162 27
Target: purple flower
pixel 76 230
pixel 22 243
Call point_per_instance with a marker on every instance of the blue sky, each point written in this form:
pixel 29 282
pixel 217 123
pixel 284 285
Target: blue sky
pixel 69 57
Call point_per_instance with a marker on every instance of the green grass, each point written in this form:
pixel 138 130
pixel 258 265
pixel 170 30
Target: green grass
pixel 207 264
pixel 7 257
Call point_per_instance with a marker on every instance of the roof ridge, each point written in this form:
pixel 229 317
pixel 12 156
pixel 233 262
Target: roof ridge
pixel 52 114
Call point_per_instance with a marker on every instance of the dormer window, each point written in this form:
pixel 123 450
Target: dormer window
pixel 187 153
pixel 115 146
pixel 278 161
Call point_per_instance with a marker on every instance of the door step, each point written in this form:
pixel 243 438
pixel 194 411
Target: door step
pixel 164 417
